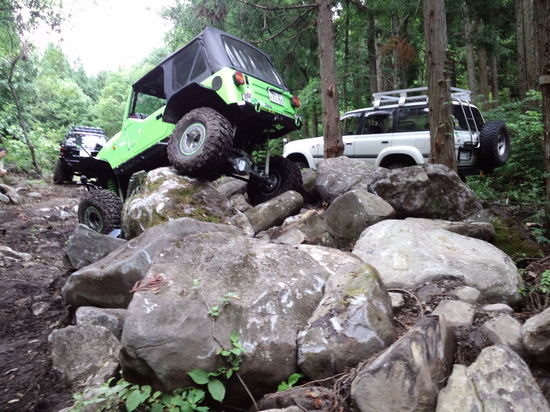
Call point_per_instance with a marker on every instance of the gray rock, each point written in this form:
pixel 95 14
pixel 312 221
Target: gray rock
pixel 107 282
pixel 11 194
pixel 310 192
pixel 497 307
pixel 467 294
pixel 274 211
pixel 426 293
pixel 349 214
pixel 13 254
pixel 86 246
pixel 498 381
pixel 479 230
pixel 332 260
pixel 535 334
pixel 456 312
pixel 408 255
pixel 407 376
pixel 111 319
pixel 39 308
pixel 432 191
pixel 166 195
pixel 504 330
pixel 4 198
pixel 310 398
pixel 352 322
pixel 229 186
pixel 309 228
pixel 86 356
pixel 277 289
pixel 34 195
pixel 338 175
pixel 238 202
pixel 397 300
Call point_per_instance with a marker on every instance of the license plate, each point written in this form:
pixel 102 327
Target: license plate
pixel 276 97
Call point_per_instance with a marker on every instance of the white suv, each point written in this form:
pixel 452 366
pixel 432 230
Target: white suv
pixel 395 133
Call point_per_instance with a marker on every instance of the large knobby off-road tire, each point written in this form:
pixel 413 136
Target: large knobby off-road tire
pixel 494 147
pixel 285 176
pixel 100 210
pixel 61 174
pixel 200 143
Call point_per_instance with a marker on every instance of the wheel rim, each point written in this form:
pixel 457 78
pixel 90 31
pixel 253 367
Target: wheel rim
pixel 192 139
pixel 501 145
pixel 272 184
pixel 93 219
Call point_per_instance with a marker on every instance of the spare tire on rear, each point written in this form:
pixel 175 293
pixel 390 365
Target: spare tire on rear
pixel 494 147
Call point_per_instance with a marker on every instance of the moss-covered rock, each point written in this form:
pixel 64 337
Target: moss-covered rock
pixel 165 195
pixel 513 240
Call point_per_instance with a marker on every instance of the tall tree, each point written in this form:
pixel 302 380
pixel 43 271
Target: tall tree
pixel 543 23
pixel 334 146
pixel 442 147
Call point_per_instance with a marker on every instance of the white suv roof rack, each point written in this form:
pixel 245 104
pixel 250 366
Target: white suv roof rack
pixel 400 97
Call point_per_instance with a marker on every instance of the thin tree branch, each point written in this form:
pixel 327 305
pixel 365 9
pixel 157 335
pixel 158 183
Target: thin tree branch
pixel 274 8
pixel 295 21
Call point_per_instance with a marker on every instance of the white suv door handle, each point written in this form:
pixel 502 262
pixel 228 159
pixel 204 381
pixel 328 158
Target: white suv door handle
pixel 385 141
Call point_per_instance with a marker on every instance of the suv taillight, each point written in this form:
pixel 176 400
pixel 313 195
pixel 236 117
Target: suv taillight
pixel 238 78
pixel 295 101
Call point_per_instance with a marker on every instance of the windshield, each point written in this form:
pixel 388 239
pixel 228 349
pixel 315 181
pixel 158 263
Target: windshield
pixel 251 61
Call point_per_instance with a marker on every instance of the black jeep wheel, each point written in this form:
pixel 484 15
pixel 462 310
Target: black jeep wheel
pixel 494 147
pixel 200 144
pixel 284 175
pixel 61 174
pixel 100 210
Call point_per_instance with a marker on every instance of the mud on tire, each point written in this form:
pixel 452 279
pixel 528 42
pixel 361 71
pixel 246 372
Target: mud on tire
pixel 286 176
pixel 200 143
pixel 61 174
pixel 100 210
pixel 494 147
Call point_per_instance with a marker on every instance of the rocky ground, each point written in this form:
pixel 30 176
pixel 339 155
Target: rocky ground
pixel 30 302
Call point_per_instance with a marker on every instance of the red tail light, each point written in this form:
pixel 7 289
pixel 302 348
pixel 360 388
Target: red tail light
pixel 295 101
pixel 238 78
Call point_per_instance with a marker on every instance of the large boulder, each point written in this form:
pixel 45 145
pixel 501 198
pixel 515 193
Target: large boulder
pixel 274 211
pixel 498 381
pixel 432 191
pixel 535 334
pixel 85 355
pixel 407 376
pixel 86 246
pixel 336 176
pixel 215 284
pixel 307 228
pixel 407 255
pixel 107 282
pixel 352 322
pixel 349 214
pixel 479 230
pixel 111 319
pixel 166 195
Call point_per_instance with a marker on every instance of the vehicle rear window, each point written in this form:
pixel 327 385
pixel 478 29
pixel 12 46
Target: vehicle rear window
pixel 465 116
pixel 413 119
pixel 378 122
pixel 246 59
pixel 188 65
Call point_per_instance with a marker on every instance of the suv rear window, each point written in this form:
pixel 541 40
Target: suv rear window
pixel 462 122
pixel 188 65
pixel 251 61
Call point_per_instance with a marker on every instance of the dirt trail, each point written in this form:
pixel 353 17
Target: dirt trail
pixel 39 226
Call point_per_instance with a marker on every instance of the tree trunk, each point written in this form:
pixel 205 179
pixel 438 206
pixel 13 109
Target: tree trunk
pixel 542 8
pixel 483 76
pixel 531 55
pixel 520 41
pixel 371 46
pixel 470 62
pixel 494 79
pixel 346 62
pixel 357 81
pixel 329 92
pixel 441 127
pixel 379 72
pixel 305 125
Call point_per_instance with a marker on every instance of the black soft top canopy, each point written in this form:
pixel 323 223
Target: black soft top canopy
pixel 207 53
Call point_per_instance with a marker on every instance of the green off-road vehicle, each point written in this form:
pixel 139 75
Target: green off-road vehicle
pixel 203 110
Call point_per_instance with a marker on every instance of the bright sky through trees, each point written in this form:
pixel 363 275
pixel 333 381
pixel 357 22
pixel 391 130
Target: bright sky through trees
pixel 107 34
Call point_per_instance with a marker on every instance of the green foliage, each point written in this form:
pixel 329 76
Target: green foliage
pixel 290 382
pixel 521 180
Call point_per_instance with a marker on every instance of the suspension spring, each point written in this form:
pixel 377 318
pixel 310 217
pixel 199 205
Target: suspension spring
pixel 111 185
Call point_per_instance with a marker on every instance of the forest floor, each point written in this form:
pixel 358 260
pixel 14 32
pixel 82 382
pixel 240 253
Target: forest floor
pixel 31 304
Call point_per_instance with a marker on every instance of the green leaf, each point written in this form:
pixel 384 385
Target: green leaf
pixel 228 373
pixel 195 395
pixel 234 337
pixel 157 407
pixel 156 395
pixel 216 389
pixel 283 386
pixel 199 376
pixel 133 400
pixel 295 377
pixel 202 409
